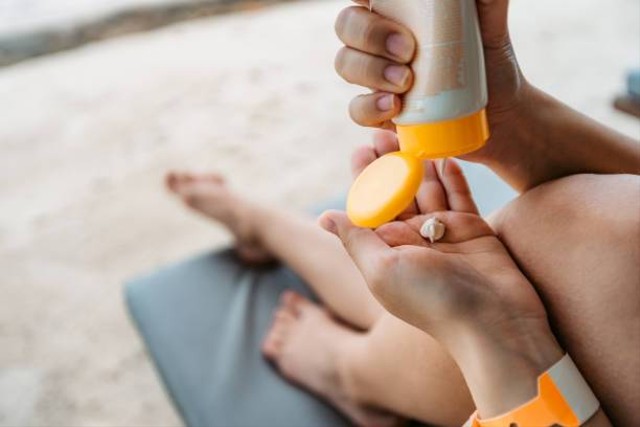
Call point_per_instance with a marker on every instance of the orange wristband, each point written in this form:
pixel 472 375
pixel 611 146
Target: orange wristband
pixel 564 399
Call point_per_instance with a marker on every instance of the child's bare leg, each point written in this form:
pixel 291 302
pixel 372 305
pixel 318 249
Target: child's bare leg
pixel 400 368
pixel 320 259
pixel 358 370
pixel 392 369
pixel 293 238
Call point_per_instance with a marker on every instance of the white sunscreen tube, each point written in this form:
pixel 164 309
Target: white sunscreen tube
pixel 443 114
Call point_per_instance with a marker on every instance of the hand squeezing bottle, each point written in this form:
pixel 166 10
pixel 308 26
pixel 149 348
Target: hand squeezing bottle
pixel 443 114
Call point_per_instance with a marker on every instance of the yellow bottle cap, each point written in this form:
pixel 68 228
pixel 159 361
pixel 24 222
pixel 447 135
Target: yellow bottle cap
pixel 384 189
pixel 449 138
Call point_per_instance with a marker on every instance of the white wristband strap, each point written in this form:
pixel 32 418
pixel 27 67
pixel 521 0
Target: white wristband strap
pixel 564 399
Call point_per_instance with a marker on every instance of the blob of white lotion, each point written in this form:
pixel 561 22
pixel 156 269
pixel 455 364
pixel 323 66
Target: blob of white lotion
pixel 433 229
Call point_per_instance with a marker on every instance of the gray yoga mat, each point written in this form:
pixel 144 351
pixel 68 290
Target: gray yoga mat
pixel 203 321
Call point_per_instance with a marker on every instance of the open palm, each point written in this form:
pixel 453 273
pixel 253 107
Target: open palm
pixel 467 275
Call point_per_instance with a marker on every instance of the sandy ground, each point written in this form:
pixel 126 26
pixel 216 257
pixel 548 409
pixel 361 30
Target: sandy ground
pixel 86 136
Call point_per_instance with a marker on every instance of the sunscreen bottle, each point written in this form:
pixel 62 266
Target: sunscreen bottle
pixel 443 114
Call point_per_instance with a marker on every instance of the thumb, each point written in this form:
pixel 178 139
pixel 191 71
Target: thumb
pixel 364 246
pixel 493 15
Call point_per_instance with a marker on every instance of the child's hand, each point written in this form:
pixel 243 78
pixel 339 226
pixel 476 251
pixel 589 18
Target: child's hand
pixel 377 51
pixel 464 290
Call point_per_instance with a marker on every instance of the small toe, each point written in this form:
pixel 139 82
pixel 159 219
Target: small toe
pixel 171 181
pixel 186 178
pixel 289 301
pixel 294 303
pixel 189 197
pixel 283 321
pixel 176 181
pixel 303 307
pixel 270 348
pixel 284 315
pixel 214 177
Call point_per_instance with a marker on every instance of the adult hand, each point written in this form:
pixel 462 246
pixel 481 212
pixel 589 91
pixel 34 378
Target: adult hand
pixel 377 52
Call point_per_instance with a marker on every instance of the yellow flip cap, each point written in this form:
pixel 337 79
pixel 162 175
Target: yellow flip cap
pixel 388 185
pixel 384 189
pixel 448 138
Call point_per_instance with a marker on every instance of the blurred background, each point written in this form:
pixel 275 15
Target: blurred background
pixel 98 99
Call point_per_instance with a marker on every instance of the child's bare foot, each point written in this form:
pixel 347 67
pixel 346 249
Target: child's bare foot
pixel 305 344
pixel 208 194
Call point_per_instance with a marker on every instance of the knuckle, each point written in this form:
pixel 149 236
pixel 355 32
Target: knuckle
pixel 340 62
pixel 368 69
pixel 350 242
pixel 387 262
pixel 363 113
pixel 380 275
pixel 376 286
pixel 365 70
pixel 357 111
pixel 372 34
pixel 342 22
pixel 378 281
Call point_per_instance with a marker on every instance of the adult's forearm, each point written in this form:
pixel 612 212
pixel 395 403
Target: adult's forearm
pixel 502 366
pixel 551 141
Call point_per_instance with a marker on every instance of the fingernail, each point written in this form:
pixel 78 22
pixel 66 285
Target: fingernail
pixel 399 46
pixel 396 74
pixel 328 224
pixel 442 164
pixel 385 102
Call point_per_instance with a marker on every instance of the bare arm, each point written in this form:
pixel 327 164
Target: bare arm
pixel 502 369
pixel 551 140
pixel 534 138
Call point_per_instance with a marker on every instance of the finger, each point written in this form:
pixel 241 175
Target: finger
pixel 457 189
pixel 361 158
pixel 493 16
pixel 374 109
pixel 366 248
pixel 431 196
pixel 369 32
pixel 373 72
pixel 460 227
pixel 385 142
pixel 400 233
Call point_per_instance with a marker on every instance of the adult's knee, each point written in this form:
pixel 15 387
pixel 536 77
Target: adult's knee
pixel 610 201
pixel 574 231
pixel 577 241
